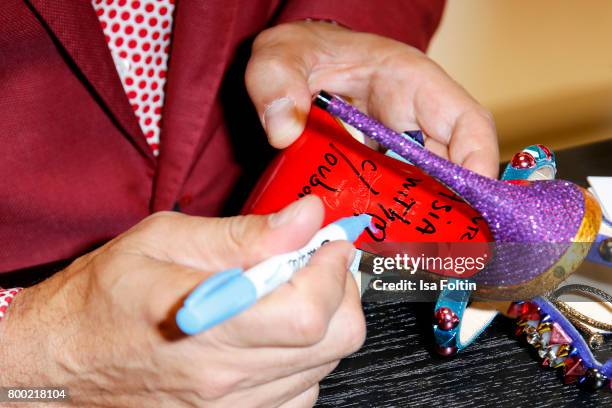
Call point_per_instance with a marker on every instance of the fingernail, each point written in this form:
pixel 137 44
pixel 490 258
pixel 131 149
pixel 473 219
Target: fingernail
pixel 285 215
pixel 281 121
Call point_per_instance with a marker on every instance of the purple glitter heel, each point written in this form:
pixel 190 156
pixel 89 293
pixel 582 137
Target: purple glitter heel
pixel 542 229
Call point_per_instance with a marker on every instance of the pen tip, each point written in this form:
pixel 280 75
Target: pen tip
pixel 354 226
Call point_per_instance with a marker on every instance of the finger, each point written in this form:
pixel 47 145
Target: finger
pixel 436 147
pixel 450 116
pixel 413 92
pixel 277 82
pixel 473 143
pixel 481 162
pixel 216 244
pixel 276 393
pixel 305 400
pixel 296 314
pixel 345 335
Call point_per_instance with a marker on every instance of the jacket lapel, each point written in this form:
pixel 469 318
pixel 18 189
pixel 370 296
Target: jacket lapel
pixel 199 53
pixel 77 29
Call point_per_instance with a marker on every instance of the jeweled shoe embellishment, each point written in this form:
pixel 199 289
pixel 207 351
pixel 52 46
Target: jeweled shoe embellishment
pixel 573 369
pixel 446 319
pixel 555 346
pixel 593 379
pixel 445 330
pixel 558 336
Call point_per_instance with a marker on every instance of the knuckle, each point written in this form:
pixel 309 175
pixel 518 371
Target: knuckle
pixel 354 330
pixel 215 384
pixel 159 220
pixel 242 235
pixel 274 62
pixel 481 118
pixel 237 233
pixel 276 34
pixel 309 322
pixel 487 116
pixel 310 381
pixel 332 258
pixel 328 368
pixel 266 36
pixel 311 396
pixel 269 63
pixel 273 54
pixel 407 61
pixel 336 276
pixel 146 233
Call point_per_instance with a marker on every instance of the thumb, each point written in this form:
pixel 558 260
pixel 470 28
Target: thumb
pixel 277 82
pixel 216 244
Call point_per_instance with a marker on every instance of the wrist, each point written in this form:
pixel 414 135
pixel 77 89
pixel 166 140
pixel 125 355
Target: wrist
pixel 28 340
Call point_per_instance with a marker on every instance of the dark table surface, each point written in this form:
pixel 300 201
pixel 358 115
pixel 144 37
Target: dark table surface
pixel 397 367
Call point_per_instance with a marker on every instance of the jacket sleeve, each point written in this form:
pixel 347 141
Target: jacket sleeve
pixel 410 21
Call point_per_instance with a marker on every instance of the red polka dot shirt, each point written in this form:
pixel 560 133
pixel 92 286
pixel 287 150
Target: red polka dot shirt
pixel 138 36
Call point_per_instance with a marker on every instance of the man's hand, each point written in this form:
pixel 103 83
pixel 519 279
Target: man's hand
pixel 104 327
pixel 389 80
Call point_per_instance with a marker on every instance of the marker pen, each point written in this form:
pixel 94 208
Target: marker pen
pixel 228 293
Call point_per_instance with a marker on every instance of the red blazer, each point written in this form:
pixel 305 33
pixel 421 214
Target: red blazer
pixel 75 168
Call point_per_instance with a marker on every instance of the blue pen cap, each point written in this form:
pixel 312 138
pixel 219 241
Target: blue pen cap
pixel 354 226
pixel 226 300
